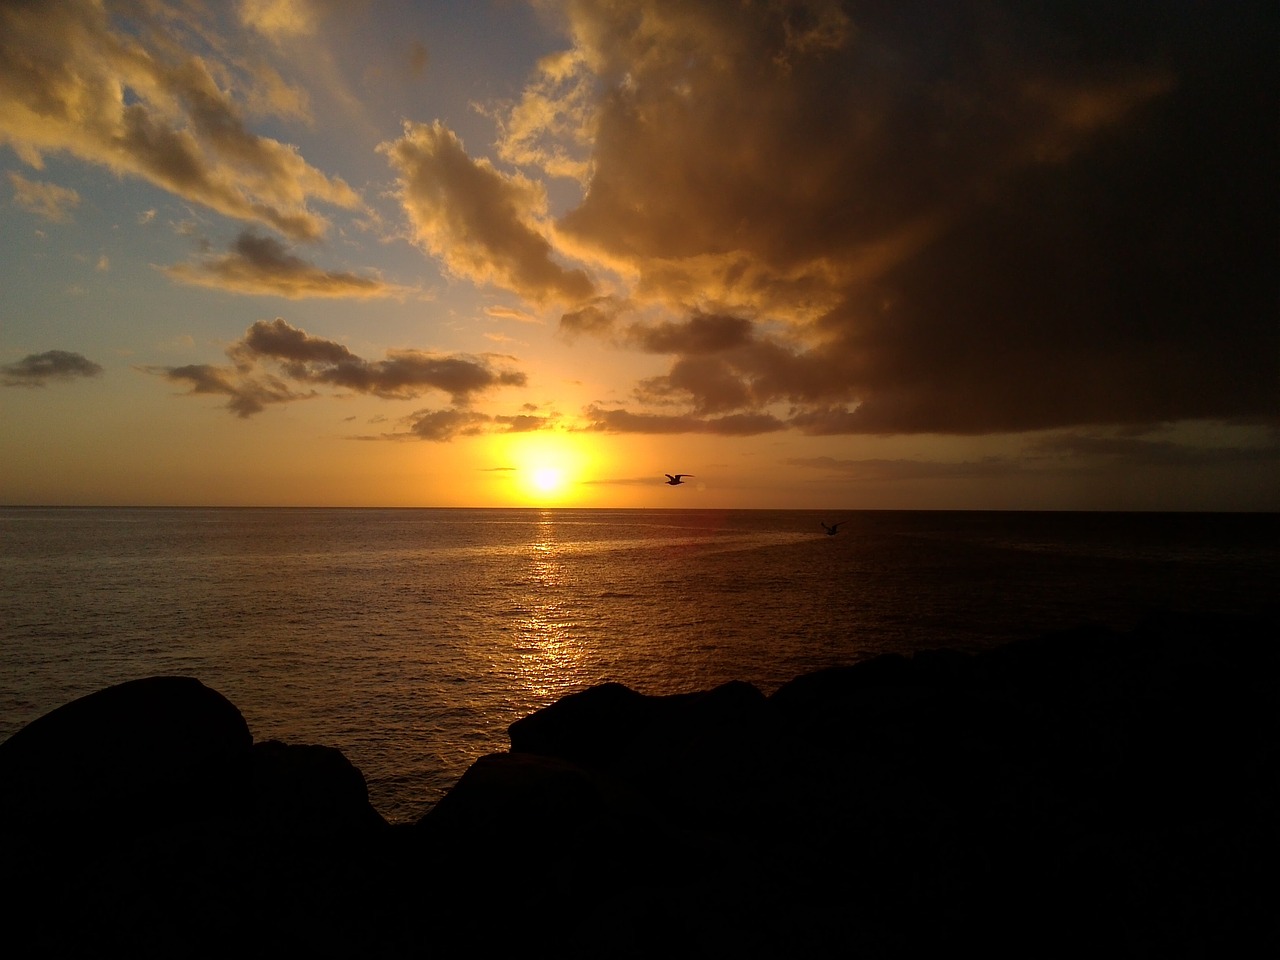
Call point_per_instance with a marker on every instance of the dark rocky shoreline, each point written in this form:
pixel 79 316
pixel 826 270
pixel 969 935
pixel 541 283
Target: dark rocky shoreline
pixel 1087 792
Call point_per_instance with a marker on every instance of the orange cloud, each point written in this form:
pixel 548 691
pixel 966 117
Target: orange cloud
pixel 481 224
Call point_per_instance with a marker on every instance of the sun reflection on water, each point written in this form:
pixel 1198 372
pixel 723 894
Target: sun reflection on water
pixel 549 654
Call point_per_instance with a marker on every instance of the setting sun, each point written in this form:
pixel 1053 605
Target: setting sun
pixel 548 479
pixel 547 468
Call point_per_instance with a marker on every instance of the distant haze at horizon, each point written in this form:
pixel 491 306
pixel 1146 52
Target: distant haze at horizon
pixel 818 255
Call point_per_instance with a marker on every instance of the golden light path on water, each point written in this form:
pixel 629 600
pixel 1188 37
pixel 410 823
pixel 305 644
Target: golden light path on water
pixel 549 657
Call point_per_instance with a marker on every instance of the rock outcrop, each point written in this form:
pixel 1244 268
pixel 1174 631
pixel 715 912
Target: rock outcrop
pixel 161 750
pixel 144 819
pixel 1087 792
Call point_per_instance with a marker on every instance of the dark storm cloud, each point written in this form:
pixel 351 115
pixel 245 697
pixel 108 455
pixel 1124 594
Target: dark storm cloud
pixel 273 354
pixel 707 384
pixel 701 333
pixel 972 218
pixel 37 369
pixel 756 374
pixel 263 265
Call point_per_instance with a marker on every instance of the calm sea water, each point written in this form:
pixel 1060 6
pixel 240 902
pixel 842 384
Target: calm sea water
pixel 410 639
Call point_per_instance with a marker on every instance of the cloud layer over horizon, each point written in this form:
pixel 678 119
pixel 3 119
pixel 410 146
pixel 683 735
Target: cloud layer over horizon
pixel 833 218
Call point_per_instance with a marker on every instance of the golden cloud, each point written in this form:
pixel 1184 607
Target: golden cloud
pixel 72 82
pixel 483 225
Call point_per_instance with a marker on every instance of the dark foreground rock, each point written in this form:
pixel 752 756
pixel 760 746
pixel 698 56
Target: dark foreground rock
pixel 1078 794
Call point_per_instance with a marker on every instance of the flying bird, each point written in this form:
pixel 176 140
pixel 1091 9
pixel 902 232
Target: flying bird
pixel 674 479
pixel 831 530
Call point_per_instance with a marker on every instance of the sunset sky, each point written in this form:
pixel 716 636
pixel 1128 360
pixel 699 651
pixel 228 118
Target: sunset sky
pixel 887 254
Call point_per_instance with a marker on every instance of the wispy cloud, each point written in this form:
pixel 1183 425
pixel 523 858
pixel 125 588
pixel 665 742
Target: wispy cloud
pixel 263 265
pixel 46 200
pixel 510 313
pixel 140 103
pixel 37 369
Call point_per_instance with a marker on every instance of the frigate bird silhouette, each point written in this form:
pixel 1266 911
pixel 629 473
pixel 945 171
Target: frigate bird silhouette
pixel 831 530
pixel 675 479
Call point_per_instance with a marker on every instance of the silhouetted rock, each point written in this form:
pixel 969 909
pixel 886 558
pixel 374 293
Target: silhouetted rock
pixel 137 755
pixel 309 789
pixel 590 727
pixel 509 799
pixel 1078 793
pixel 142 817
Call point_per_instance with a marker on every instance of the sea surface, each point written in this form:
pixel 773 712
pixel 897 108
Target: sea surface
pixel 410 639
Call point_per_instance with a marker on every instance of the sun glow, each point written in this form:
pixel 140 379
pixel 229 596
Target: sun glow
pixel 548 479
pixel 547 467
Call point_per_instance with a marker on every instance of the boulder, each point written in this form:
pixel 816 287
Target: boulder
pixel 506 796
pixel 138 755
pixel 1088 790
pixel 611 725
pixel 590 728
pixel 305 789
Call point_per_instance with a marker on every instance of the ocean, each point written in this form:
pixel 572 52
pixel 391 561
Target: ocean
pixel 411 638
